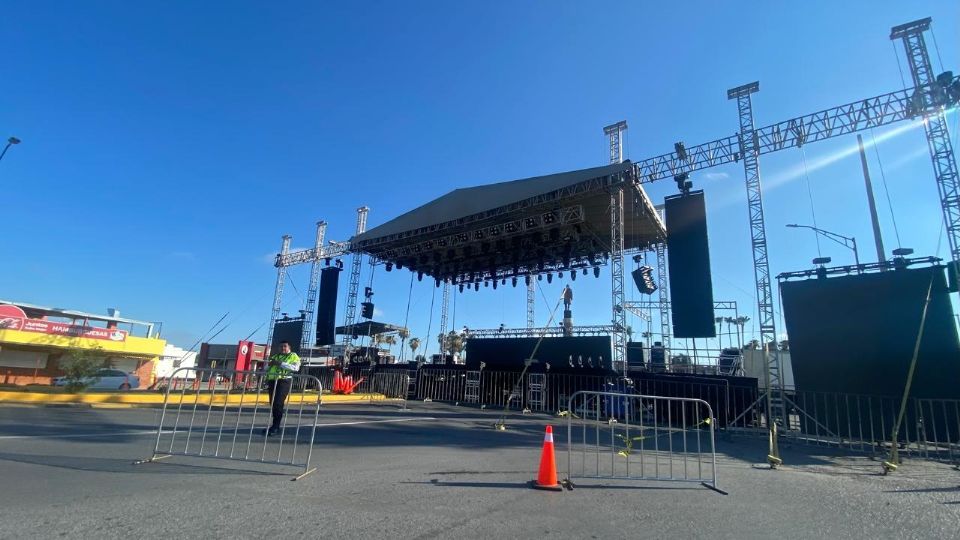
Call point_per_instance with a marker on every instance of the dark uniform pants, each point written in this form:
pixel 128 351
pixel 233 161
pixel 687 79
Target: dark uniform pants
pixel 279 390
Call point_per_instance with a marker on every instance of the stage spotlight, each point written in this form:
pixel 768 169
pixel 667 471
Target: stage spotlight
pixel 437 282
pixel 584 271
pixel 527 279
pixel 560 275
pixel 419 276
pixel 461 287
pixel 514 281
pixel 596 271
pixel 549 278
pixel 327 261
pixel 486 284
pixel 503 281
pixel 399 265
pixel 339 264
pixel 494 284
pixel 476 286
pixel 539 277
pixel 573 275
pixel 389 266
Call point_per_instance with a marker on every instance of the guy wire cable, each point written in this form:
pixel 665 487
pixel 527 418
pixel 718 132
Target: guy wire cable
pixel 500 425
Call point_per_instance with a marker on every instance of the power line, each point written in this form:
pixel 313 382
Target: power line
pixel 886 191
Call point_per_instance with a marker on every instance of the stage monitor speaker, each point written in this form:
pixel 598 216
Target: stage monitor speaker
pixel 327 306
pixel 691 289
pixel 289 330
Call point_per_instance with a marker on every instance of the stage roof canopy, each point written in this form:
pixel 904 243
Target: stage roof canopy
pixel 520 227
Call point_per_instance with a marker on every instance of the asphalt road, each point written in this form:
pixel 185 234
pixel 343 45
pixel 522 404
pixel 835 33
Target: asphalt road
pixel 438 472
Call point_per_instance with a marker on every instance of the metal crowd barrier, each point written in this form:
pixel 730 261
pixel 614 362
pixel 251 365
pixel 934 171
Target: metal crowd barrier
pixel 229 422
pixel 392 385
pixel 441 384
pixel 636 437
pixel 930 428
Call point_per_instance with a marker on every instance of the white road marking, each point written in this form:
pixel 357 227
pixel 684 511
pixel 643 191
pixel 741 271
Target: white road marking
pixel 375 421
pixel 168 431
pixel 77 435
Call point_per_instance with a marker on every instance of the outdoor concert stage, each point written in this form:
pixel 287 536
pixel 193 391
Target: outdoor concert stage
pixel 513 229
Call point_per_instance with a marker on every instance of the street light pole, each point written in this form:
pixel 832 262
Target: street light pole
pixel 848 242
pixel 11 141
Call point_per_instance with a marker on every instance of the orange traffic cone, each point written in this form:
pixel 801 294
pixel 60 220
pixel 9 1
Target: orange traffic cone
pixel 547 477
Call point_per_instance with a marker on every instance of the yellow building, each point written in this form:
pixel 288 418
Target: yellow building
pixel 34 340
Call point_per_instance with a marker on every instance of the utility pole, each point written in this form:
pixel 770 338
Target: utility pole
pixel 877 237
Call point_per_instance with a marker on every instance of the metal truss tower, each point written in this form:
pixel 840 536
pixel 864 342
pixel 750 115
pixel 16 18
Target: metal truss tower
pixel 310 306
pixel 278 290
pixel 354 288
pixel 663 297
pixel 615 132
pixel 444 310
pixel 616 278
pixel 931 97
pixel 750 154
pixel 531 302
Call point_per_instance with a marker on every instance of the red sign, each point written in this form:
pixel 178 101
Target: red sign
pixel 244 355
pixel 10 321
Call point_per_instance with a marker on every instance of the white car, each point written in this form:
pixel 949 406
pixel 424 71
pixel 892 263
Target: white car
pixel 107 379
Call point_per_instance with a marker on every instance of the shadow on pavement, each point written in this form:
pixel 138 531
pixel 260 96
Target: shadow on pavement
pixel 119 465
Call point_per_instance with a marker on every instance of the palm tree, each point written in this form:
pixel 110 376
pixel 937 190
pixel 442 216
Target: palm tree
pixel 754 345
pixel 719 321
pixel 455 343
pixel 646 336
pixel 742 323
pixel 414 345
pixel 629 331
pixel 730 321
pixel 390 340
pixel 404 334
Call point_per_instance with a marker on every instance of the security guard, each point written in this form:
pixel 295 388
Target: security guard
pixel 279 378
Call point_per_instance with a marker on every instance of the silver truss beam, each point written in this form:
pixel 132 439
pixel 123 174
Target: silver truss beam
pixel 531 302
pixel 278 289
pixel 663 287
pixel 332 249
pixel 444 309
pixel 310 306
pixel 935 125
pixel 761 265
pixel 553 331
pixel 650 304
pixel 354 287
pixel 849 118
pixel 619 363
pixel 614 133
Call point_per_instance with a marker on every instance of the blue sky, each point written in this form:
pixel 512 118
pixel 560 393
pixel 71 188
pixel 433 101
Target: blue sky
pixel 168 146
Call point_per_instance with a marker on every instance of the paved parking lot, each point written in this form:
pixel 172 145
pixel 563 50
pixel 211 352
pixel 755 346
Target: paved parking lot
pixel 434 472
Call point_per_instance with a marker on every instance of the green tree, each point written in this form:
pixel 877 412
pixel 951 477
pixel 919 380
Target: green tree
pixel 81 367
